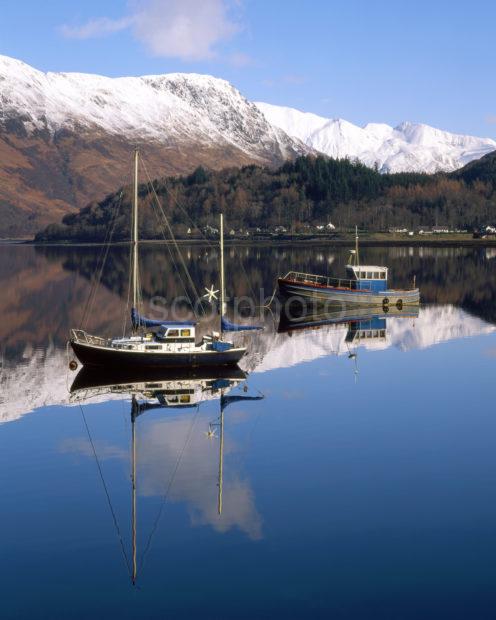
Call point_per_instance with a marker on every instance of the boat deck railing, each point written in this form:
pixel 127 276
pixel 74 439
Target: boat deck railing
pixel 81 336
pixel 309 278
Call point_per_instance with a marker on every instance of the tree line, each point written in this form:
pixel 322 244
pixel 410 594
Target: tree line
pixel 304 192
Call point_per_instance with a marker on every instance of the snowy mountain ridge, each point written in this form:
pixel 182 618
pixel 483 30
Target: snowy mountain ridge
pixel 66 138
pixel 153 107
pixel 409 147
pixel 179 107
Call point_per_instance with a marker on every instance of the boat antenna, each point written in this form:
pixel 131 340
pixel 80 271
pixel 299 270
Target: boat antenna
pixel 134 239
pixel 222 283
pixel 357 260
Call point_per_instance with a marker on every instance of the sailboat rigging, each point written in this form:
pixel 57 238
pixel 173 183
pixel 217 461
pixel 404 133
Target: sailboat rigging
pixel 155 343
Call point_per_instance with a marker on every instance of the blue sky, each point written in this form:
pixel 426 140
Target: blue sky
pixel 383 61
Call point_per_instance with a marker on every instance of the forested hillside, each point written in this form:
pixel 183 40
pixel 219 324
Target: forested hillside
pixel 309 190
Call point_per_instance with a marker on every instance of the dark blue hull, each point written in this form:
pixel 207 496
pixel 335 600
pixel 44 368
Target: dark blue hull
pixel 93 355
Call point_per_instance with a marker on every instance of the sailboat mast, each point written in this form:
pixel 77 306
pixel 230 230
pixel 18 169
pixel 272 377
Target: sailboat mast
pixel 222 284
pixel 135 232
pixel 134 413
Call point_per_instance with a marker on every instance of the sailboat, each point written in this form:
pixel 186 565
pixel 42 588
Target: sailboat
pixel 155 343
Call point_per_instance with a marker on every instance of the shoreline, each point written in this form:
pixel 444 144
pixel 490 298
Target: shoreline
pixel 286 241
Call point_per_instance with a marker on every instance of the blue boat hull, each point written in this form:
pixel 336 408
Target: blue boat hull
pixel 346 296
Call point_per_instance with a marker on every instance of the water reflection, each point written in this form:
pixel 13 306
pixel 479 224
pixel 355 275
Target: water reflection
pixel 44 289
pixel 163 443
pixel 326 496
pixel 362 323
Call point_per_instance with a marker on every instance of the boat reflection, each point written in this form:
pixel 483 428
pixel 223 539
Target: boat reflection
pixel 171 388
pixel 367 324
pixel 162 389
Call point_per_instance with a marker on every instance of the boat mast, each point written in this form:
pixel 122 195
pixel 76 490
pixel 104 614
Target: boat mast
pixel 222 285
pixel 135 231
pixel 134 414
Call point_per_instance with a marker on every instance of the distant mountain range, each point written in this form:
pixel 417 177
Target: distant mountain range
pixel 66 138
pixel 409 147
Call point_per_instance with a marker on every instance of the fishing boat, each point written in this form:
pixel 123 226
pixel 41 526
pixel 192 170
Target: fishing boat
pixel 365 285
pixel 156 343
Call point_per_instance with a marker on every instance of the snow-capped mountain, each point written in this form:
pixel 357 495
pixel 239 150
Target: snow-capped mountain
pixel 409 147
pixel 154 107
pixel 66 138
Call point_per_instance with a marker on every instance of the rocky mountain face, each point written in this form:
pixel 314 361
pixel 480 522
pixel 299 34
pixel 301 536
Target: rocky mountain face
pixel 409 147
pixel 67 139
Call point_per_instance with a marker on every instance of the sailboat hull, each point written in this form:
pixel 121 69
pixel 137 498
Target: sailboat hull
pixel 94 355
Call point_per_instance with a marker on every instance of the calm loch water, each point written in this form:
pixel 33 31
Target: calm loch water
pixel 350 474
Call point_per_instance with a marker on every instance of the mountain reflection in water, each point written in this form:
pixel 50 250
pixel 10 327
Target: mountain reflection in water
pixel 45 290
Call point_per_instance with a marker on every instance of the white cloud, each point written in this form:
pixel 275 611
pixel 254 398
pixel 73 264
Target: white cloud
pixel 176 459
pixel 185 29
pixel 96 28
pixel 81 445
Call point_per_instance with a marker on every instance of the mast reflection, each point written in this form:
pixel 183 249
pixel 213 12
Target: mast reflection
pixel 162 389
